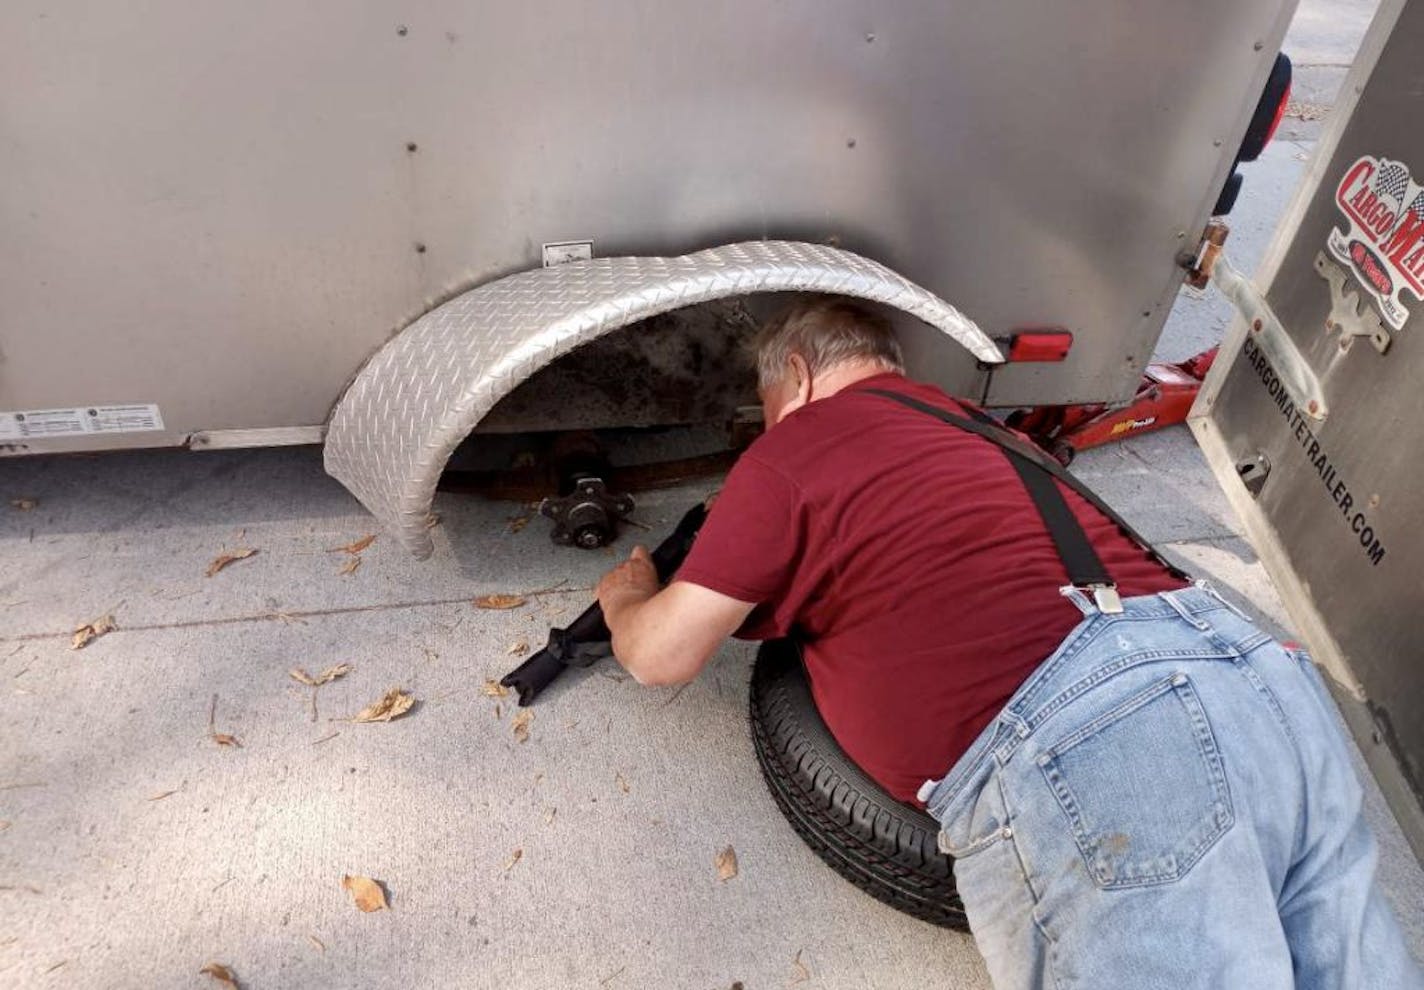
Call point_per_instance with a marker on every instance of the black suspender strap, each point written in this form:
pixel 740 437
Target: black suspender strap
pixel 1084 566
pixel 1037 471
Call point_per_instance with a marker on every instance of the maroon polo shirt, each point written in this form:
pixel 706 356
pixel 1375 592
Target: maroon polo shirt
pixel 908 557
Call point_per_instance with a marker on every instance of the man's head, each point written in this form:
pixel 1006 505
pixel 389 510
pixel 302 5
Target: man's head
pixel 818 346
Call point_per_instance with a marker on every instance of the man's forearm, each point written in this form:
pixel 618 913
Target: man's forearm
pixel 664 636
pixel 632 618
pixel 667 637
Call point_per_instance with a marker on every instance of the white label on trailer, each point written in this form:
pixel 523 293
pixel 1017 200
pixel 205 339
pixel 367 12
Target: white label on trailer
pixel 30 424
pixel 562 252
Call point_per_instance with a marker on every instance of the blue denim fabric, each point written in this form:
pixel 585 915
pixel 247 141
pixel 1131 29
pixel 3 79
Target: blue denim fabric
pixel 1168 801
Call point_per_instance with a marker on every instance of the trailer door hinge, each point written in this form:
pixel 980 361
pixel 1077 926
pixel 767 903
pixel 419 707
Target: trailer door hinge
pixel 1264 329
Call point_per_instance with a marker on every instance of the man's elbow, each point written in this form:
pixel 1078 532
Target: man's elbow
pixel 656 676
pixel 652 669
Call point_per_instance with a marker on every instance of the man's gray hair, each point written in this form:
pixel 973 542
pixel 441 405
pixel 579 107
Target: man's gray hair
pixel 825 331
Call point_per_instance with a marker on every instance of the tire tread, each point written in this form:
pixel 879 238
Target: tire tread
pixel 882 846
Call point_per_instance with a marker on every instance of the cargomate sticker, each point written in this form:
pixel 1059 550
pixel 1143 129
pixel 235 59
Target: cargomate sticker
pixel 1383 243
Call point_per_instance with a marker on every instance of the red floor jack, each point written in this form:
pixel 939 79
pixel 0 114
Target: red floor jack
pixel 1164 398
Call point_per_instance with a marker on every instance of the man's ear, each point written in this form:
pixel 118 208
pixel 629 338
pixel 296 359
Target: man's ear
pixel 801 375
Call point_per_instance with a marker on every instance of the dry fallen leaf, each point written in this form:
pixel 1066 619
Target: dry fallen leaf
pixel 299 675
pixel 726 864
pixel 350 566
pixel 24 504
pixel 499 601
pixel 227 557
pixel 220 973
pixel 393 704
pixel 356 546
pixel 432 519
pixel 91 631
pixel 514 857
pixel 326 676
pixel 163 794
pixel 317 942
pixel 367 893
pixel 622 784
pixel 518 648
pixel 221 738
pixel 521 725
pixel 549 814
pixel 799 972
pixel 516 523
pixel 494 689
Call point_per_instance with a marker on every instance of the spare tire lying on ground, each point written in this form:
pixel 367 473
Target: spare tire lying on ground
pixel 885 848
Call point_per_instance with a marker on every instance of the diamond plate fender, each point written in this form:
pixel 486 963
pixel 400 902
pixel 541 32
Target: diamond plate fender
pixel 425 390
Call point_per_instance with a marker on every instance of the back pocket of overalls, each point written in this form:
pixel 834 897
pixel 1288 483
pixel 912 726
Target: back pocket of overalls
pixel 1142 787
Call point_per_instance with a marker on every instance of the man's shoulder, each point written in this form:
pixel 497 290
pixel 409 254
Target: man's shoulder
pixel 864 390
pixel 790 440
pixel 853 409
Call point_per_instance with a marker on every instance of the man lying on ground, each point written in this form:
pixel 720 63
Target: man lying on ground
pixel 1139 787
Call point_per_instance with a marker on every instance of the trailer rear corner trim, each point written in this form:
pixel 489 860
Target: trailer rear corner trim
pixel 424 391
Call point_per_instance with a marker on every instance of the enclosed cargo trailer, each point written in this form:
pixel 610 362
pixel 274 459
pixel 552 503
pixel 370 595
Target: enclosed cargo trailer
pixel 214 214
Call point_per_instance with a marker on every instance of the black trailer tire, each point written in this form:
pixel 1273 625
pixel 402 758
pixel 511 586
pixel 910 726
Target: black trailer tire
pixel 885 848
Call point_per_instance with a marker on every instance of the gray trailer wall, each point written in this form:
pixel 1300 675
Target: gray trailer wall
pixel 224 209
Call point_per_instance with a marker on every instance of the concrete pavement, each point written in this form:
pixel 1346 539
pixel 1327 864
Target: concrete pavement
pixel 135 848
pixel 138 849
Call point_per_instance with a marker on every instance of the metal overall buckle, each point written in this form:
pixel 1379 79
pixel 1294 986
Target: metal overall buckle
pixel 1106 598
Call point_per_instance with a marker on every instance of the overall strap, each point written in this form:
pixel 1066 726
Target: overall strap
pixel 1037 471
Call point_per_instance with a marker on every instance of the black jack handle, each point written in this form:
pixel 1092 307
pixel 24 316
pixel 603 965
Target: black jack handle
pixel 586 640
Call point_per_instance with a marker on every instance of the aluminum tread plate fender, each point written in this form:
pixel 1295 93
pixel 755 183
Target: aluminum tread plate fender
pixel 426 389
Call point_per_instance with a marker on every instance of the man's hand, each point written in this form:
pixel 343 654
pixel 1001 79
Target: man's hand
pixel 632 582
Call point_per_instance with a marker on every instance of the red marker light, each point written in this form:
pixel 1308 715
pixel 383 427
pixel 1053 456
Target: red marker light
pixel 1040 345
pixel 1280 113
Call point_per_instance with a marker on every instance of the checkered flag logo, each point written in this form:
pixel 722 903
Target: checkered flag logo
pixel 1392 181
pixel 1417 207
